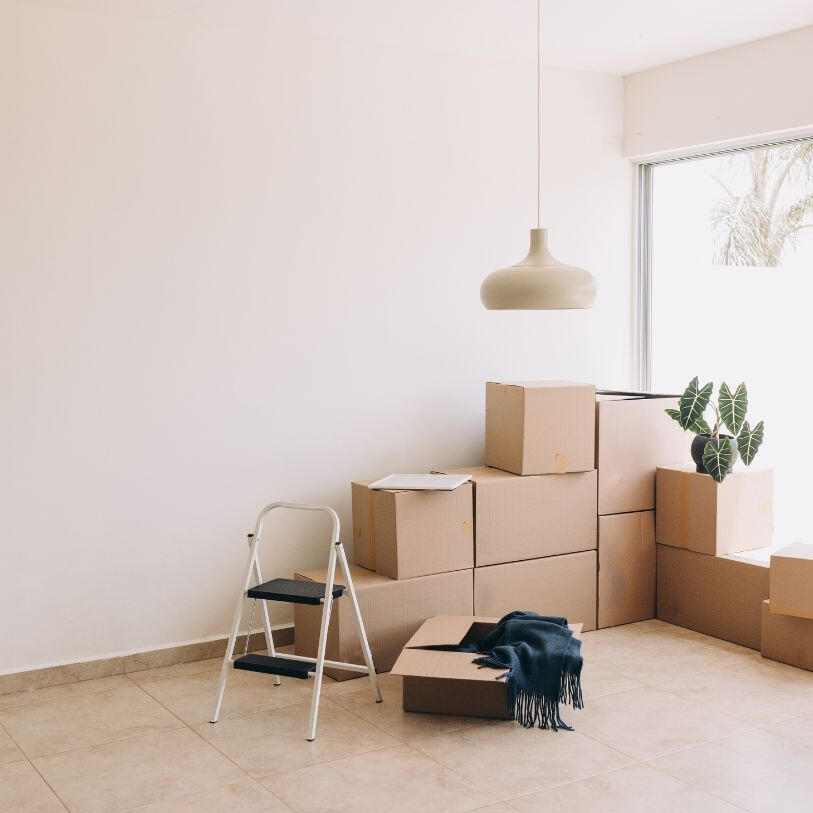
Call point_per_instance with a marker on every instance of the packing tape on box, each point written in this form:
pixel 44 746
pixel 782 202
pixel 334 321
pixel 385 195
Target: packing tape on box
pixel 559 463
pixel 642 546
pixel 370 530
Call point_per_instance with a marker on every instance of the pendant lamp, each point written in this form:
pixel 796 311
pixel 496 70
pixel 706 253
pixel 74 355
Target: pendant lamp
pixel 540 281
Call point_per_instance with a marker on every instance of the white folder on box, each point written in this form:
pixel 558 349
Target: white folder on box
pixel 420 482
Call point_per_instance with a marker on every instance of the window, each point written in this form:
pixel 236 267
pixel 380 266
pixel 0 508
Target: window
pixel 726 293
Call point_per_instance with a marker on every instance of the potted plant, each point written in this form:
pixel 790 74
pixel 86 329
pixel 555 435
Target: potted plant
pixel 715 453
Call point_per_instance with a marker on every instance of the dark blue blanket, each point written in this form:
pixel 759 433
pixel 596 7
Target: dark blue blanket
pixel 542 662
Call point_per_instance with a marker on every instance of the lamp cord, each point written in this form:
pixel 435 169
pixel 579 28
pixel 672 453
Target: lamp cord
pixel 539 114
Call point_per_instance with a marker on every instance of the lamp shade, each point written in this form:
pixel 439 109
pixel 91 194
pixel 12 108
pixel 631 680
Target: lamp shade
pixel 539 282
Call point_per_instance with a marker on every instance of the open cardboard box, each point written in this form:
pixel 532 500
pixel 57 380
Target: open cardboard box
pixel 448 682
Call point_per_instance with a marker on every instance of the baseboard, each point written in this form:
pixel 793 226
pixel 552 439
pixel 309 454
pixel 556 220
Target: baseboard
pixel 135 662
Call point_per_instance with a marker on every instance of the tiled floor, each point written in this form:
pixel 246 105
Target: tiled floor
pixel 675 721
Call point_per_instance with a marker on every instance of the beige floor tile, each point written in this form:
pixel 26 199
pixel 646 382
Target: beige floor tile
pixel 598 681
pixel 497 807
pixel 760 692
pixel 335 688
pixel 144 676
pixel 273 742
pixel 652 657
pixel 122 775
pixel 88 719
pixel 64 692
pixel 649 722
pixel 191 696
pixel 637 789
pixel 9 752
pixel 767 770
pixel 247 796
pixel 22 790
pixel 508 760
pixel 405 725
pixel 623 630
pixel 396 780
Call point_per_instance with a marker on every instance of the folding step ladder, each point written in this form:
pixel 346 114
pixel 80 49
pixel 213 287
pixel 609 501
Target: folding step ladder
pixel 296 592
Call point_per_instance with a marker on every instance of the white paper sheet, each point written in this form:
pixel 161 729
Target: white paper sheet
pixel 421 482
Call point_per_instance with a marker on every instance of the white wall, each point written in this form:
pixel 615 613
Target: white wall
pixel 241 262
pixel 746 93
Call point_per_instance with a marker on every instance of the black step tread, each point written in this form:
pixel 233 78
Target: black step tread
pixel 295 591
pixel 287 667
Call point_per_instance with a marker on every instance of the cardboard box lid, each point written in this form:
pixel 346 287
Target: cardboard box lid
pixel 448 630
pixel 620 395
pixel 483 474
pixel 798 550
pixel 361 576
pixel 541 384
pixel 758 556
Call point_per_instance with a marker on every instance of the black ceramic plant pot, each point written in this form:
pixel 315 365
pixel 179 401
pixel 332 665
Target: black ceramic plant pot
pixel 699 445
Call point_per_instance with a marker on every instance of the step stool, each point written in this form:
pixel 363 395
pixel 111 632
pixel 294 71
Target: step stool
pixel 296 592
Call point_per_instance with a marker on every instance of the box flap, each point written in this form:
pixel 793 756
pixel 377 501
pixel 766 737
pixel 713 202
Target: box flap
pixel 481 474
pixel 361 576
pixel 447 630
pixel 798 550
pixel 635 394
pixel 541 384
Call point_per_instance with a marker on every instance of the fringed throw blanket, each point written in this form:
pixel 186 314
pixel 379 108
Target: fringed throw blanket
pixel 543 664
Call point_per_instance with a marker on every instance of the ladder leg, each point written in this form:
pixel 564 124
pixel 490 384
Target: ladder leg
pixel 269 638
pixel 235 626
pixel 320 653
pixel 365 645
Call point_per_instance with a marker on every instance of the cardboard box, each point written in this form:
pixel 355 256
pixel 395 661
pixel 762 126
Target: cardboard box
pixel 392 611
pixel 556 585
pixel 717 595
pixel 540 427
pixel 626 568
pixel 404 534
pixel 633 437
pixel 519 518
pixel 787 639
pixel 448 682
pixel 791 581
pixel 695 513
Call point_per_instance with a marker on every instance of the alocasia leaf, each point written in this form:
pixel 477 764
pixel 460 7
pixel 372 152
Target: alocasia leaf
pixel 733 406
pixel 693 402
pixel 701 427
pixel 717 458
pixel 750 440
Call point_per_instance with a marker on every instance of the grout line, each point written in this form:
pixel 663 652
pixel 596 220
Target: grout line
pixel 35 768
pixel 402 743
pixel 210 745
pixel 304 704
pixel 698 787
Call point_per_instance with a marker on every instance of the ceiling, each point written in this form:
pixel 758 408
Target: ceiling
pixel 625 36
pixel 605 36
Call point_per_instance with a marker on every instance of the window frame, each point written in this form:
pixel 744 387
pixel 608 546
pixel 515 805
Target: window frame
pixel 643 276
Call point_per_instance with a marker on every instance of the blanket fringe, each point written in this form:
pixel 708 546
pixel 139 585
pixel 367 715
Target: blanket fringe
pixel 534 709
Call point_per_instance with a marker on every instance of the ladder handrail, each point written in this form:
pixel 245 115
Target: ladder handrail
pixel 334 536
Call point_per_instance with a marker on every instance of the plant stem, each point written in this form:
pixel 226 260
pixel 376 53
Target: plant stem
pixel 716 431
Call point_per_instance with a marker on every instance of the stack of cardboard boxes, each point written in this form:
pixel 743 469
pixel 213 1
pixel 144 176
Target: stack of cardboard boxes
pixel 705 580
pixel 537 528
pixel 633 436
pixel 787 616
pixel 534 515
